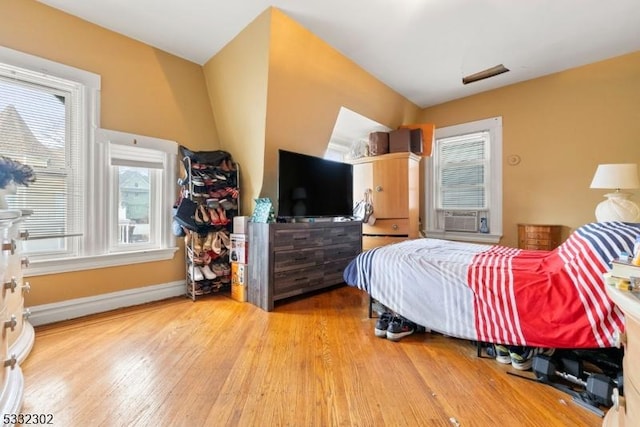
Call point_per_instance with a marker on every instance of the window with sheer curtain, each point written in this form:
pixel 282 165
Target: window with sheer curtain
pixel 89 182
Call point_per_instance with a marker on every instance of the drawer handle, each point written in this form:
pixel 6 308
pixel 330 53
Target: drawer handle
pixel 11 284
pixel 302 258
pixel 619 403
pixel 619 339
pixel 25 262
pixel 395 226
pixel 299 279
pixel 26 314
pixel 10 246
pixel 11 323
pixel 24 235
pixel 378 188
pixel 26 288
pixel 11 363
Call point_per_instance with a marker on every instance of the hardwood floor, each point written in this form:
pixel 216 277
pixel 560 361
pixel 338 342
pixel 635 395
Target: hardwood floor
pixel 313 361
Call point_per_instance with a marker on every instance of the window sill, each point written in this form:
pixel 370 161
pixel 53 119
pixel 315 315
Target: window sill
pixel 40 268
pixel 487 238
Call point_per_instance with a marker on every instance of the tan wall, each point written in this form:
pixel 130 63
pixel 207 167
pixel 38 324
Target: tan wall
pixel 144 91
pixel 296 109
pixel 237 83
pixel 562 126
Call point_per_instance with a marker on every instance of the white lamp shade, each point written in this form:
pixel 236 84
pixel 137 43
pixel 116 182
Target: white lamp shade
pixel 618 176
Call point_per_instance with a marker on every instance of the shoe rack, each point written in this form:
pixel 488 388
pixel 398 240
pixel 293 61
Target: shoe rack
pixel 212 190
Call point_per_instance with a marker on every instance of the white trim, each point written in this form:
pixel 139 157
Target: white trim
pixel 22 346
pixel 494 127
pixel 39 268
pixel 78 307
pixel 48 68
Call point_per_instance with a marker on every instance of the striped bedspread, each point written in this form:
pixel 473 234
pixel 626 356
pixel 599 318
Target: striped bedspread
pixel 500 294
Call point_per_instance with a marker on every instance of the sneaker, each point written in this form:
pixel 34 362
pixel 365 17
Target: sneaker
pixel 502 354
pixel 522 357
pixel 382 324
pixel 399 328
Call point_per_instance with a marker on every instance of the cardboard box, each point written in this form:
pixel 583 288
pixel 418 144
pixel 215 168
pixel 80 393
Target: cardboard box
pixel 378 143
pixel 239 292
pixel 239 273
pixel 239 276
pixel 239 248
pixel 405 139
pixel 240 224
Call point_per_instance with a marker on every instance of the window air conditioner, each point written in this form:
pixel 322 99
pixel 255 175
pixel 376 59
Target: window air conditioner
pixel 461 221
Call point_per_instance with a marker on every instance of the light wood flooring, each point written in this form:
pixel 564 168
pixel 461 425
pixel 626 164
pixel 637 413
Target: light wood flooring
pixel 313 361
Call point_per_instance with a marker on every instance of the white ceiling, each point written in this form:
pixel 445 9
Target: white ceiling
pixel 420 48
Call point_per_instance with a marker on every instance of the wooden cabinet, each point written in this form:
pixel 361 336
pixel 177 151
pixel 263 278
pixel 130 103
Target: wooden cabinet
pixel 394 181
pixel 288 259
pixel 17 333
pixel 626 410
pixel 540 237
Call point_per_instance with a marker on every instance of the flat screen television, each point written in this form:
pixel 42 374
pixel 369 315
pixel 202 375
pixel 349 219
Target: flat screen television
pixel 310 186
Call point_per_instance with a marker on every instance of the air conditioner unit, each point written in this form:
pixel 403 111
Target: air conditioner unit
pixel 461 221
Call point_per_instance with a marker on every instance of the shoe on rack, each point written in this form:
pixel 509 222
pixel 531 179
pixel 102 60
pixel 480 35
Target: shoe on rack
pixel 208 273
pixel 400 327
pixel 382 324
pixel 502 354
pixel 522 357
pixel 196 273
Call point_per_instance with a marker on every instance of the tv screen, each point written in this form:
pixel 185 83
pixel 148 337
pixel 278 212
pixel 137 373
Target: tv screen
pixel 310 186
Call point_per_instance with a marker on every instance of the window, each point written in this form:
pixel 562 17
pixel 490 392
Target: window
pixel 48 120
pixel 464 182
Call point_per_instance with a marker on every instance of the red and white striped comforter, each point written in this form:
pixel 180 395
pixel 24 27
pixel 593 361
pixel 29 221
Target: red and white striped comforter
pixel 499 294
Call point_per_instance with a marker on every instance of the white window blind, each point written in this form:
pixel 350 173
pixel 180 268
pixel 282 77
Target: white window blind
pixel 39 127
pixel 462 172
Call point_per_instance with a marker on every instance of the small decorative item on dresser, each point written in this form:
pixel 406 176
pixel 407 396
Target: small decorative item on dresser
pixel 539 237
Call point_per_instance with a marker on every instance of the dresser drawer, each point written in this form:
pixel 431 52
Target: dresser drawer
pixel 632 350
pixel 295 282
pixel 631 395
pixel 388 227
pixel 298 238
pixel 346 250
pixel 301 258
pixel 349 232
pixel 334 271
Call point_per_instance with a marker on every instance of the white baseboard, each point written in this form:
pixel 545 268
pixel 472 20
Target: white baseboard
pixel 70 309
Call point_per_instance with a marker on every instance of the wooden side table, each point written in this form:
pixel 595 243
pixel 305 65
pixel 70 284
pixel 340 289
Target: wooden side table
pixel 538 236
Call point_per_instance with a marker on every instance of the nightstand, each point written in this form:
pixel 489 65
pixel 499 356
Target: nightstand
pixel 538 236
pixel 626 410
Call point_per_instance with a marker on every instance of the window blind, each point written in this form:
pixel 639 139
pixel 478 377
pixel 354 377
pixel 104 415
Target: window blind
pixel 462 172
pixel 37 126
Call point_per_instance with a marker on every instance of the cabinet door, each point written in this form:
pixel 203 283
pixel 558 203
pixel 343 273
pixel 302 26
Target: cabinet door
pixel 390 187
pixel 362 180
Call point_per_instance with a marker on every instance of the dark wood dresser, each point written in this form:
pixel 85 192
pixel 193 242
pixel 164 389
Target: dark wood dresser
pixel 288 259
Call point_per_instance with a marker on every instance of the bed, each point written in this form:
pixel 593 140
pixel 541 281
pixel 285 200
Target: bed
pixel 498 294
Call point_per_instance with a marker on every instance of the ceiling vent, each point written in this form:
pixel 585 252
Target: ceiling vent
pixel 485 74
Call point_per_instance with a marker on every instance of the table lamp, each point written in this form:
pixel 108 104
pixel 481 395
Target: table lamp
pixel 617 206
